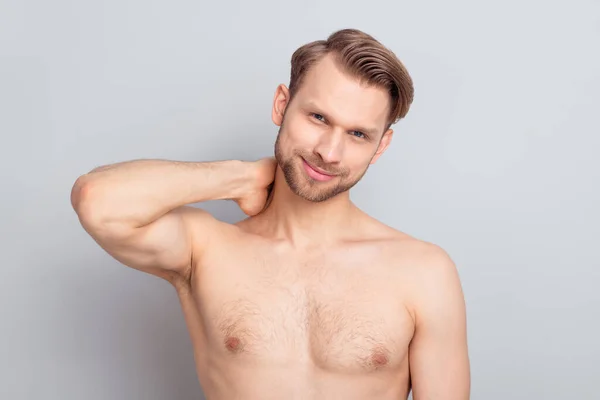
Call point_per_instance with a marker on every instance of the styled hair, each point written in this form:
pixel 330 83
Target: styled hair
pixel 362 57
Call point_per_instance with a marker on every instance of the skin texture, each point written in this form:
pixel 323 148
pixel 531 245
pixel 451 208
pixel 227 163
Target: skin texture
pixel 309 297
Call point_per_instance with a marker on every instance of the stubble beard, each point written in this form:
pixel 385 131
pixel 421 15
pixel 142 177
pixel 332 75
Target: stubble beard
pixel 305 187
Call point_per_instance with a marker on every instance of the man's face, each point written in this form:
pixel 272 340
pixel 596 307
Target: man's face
pixel 330 133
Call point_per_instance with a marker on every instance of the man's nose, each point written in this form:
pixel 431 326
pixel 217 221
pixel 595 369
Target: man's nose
pixel 331 147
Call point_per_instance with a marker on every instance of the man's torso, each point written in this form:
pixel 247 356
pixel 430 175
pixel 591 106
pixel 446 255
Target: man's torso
pixel 270 322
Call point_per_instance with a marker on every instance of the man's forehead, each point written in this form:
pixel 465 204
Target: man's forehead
pixel 326 79
pixel 327 73
pixel 362 105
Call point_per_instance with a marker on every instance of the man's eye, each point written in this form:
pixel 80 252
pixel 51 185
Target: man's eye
pixel 319 117
pixel 359 134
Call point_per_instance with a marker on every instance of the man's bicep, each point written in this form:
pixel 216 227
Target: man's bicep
pixel 164 247
pixel 439 361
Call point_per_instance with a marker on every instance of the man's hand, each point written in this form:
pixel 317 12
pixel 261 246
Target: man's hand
pixel 255 200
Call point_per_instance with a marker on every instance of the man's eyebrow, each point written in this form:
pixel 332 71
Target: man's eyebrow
pixel 318 110
pixel 368 131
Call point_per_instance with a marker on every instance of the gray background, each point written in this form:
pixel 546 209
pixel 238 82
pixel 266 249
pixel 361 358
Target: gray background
pixel 496 162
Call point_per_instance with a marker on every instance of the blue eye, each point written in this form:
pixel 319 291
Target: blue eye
pixel 359 134
pixel 318 116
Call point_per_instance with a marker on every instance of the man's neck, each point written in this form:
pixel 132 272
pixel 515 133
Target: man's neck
pixel 302 222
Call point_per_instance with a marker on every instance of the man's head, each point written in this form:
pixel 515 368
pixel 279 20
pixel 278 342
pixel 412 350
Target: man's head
pixel 345 93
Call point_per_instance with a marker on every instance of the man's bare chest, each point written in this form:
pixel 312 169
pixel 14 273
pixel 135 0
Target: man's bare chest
pixel 337 314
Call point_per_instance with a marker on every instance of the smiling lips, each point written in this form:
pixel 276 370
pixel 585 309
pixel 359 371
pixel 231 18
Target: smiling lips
pixel 315 174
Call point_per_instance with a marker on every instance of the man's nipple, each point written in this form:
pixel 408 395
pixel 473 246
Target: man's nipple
pixel 233 344
pixel 379 359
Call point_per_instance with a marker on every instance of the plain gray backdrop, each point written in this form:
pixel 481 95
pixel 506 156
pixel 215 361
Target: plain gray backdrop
pixel 497 162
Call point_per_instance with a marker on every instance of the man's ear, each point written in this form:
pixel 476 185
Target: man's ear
pixel 383 145
pixel 280 102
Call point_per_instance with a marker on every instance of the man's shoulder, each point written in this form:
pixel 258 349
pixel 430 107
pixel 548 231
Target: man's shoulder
pixel 416 255
pixel 424 272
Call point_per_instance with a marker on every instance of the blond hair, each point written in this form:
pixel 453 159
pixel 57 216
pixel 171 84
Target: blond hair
pixel 364 58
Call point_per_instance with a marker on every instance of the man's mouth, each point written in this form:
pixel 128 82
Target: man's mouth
pixel 316 173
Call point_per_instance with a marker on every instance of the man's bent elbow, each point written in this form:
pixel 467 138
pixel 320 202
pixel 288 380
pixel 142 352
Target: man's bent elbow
pixel 88 206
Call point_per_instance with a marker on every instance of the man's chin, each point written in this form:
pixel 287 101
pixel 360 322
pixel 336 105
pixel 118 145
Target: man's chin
pixel 313 193
pixel 314 197
pixel 307 188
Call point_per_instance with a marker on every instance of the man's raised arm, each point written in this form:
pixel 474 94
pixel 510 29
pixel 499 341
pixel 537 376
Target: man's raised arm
pixel 137 212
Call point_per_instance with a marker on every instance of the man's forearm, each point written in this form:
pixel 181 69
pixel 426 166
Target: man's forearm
pixel 139 192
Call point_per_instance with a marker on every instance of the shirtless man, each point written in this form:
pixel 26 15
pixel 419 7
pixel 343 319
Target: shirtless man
pixel 309 297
